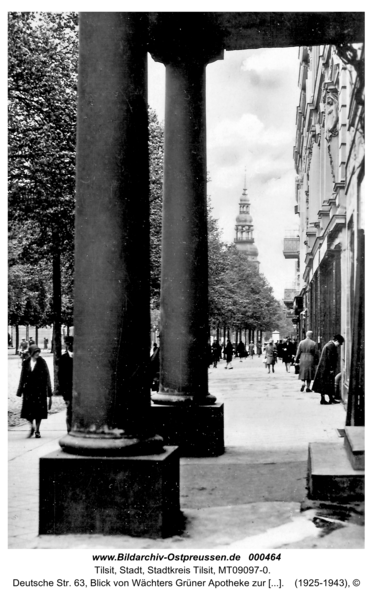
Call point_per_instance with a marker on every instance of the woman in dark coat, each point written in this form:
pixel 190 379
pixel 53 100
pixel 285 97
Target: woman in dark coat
pixel 306 356
pixel 287 353
pixel 325 374
pixel 228 352
pixel 241 350
pixel 35 387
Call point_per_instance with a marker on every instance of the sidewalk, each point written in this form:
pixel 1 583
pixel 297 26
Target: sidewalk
pixel 250 497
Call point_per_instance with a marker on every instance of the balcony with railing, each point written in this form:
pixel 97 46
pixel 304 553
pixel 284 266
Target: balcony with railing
pixel 291 244
pixel 289 295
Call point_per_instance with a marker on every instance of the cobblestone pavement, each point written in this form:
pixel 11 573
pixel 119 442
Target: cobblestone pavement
pixel 249 497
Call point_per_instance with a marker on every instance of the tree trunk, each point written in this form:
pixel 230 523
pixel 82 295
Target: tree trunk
pixel 36 336
pixel 56 315
pixel 17 339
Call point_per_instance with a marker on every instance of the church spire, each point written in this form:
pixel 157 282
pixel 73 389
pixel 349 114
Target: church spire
pixel 244 239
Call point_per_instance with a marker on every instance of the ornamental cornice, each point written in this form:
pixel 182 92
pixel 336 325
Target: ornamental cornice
pixel 324 210
pixel 336 224
pixel 315 224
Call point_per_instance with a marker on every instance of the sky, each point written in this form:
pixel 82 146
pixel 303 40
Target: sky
pixel 251 103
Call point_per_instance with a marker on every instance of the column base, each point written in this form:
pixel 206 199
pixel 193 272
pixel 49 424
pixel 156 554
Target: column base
pixel 197 430
pixel 101 445
pixel 173 398
pixel 136 495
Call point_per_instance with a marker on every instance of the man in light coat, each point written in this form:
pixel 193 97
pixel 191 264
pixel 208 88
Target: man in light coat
pixel 306 356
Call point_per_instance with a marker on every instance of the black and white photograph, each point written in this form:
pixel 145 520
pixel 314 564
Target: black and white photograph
pixel 186 298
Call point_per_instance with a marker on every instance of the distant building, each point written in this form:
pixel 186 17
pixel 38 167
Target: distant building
pixel 244 239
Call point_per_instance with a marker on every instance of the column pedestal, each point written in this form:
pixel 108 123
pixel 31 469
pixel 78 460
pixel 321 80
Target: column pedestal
pixel 198 430
pixel 137 495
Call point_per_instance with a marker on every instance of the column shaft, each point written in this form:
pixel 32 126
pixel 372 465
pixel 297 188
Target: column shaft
pixel 184 288
pixel 111 395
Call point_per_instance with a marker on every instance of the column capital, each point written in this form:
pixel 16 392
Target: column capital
pixel 185 38
pixel 182 55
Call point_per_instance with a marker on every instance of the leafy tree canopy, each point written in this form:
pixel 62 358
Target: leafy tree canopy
pixel 155 197
pixel 239 296
pixel 42 81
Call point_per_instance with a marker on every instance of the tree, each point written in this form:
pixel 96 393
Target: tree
pixel 217 256
pixel 155 199
pixel 29 289
pixel 42 124
pixel 239 296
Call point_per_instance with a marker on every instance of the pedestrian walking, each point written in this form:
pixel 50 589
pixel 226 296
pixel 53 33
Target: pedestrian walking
pixel 65 374
pixel 264 353
pixel 251 350
pixel 216 350
pixel 259 349
pixel 270 356
pixel 23 350
pixel 306 357
pixel 228 352
pixel 325 374
pixel 45 343
pixel 241 350
pixel 293 349
pixel 278 347
pixel 287 353
pixel 35 388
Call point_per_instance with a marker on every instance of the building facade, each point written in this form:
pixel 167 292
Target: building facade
pixel 329 162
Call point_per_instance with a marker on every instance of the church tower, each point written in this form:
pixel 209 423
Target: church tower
pixel 244 239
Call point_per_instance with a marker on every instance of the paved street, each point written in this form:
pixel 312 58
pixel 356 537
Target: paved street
pixel 249 497
pixel 268 412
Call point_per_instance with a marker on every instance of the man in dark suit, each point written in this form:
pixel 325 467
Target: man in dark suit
pixel 66 378
pixel 326 370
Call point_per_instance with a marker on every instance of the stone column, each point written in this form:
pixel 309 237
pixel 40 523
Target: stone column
pixel 111 391
pixel 184 282
pixel 113 475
